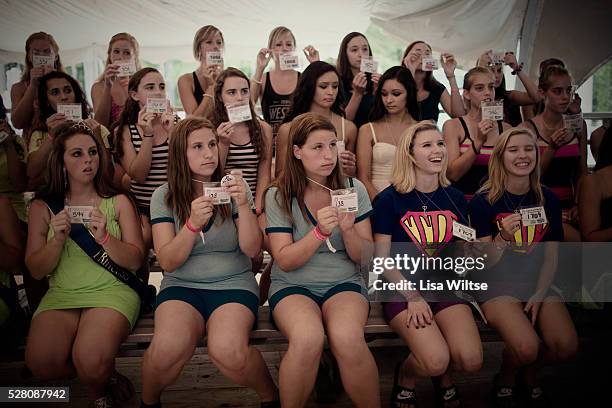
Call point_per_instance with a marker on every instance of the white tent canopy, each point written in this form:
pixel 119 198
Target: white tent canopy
pixel 571 30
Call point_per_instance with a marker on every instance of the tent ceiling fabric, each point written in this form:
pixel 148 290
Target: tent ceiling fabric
pixel 464 27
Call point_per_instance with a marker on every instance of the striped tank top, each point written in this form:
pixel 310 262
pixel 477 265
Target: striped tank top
pixel 158 172
pixel 244 157
pixel 471 181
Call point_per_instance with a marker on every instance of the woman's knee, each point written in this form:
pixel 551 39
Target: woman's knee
pixel 435 362
pixel 93 363
pixel 44 364
pixel 525 351
pixel 308 344
pixel 231 355
pixel 563 348
pixel 469 361
pixel 347 345
pixel 166 352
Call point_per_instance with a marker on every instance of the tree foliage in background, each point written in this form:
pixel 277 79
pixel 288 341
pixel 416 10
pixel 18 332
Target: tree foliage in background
pixel 602 88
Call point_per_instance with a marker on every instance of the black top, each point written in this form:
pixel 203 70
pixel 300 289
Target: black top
pixel 429 107
pixel 274 106
pixel 198 92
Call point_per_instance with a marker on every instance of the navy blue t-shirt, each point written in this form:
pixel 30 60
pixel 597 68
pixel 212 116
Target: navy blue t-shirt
pixel 402 216
pixel 486 217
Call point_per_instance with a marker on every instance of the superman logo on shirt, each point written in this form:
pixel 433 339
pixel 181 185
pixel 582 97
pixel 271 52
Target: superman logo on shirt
pixel 527 236
pixel 430 231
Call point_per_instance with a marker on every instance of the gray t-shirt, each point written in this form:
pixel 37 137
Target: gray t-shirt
pixel 324 269
pixel 217 264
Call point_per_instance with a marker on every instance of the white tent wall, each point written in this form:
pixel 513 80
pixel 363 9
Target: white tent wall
pixel 579 33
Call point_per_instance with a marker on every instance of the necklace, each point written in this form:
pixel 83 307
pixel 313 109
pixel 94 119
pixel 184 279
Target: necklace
pixel 510 204
pixel 548 127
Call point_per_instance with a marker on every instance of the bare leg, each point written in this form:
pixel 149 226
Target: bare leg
pixel 345 315
pixel 299 319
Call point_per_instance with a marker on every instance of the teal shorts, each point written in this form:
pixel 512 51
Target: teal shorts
pixel 206 301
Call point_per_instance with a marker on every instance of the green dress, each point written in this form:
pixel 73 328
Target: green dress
pixel 78 282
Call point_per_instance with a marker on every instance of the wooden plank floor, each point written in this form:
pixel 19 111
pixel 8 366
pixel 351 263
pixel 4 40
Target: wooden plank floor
pixel 201 385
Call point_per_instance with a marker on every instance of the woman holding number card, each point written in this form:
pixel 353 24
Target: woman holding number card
pixel 276 86
pixel 430 93
pixel 512 99
pixel 395 109
pixel 358 86
pixel 87 312
pixel 42 57
pixel 421 210
pixel 470 139
pixel 141 140
pixel 317 244
pixel 563 145
pixel 60 99
pixel 317 92
pixel 521 303
pixel 110 91
pixel 208 288
pixel 244 144
pixel 196 89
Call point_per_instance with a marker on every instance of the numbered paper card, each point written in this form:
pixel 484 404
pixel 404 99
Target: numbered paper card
pixel 218 195
pixel 126 69
pixel 345 200
pixel 72 111
pixel 79 214
pixel 430 64
pixel 573 122
pixel 239 113
pixel 289 60
pixel 493 110
pixel 497 57
pixel 368 65
pixel 43 61
pixel 463 231
pixel 214 58
pixel 157 105
pixel 533 216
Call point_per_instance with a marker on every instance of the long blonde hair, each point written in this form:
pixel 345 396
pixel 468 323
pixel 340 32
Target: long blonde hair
pixel 28 60
pixel 133 42
pixel 495 185
pixel 277 32
pixel 403 175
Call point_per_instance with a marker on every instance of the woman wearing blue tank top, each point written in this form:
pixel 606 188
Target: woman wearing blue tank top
pixel 208 288
pixel 196 89
pixel 316 284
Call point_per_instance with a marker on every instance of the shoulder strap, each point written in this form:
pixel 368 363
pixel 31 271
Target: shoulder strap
pixel 351 183
pixel 373 132
pixel 466 130
pixel 83 238
pixel 342 119
pixel 500 127
pixel 535 128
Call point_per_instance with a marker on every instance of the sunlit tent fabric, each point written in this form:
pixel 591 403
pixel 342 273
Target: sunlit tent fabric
pixel 577 31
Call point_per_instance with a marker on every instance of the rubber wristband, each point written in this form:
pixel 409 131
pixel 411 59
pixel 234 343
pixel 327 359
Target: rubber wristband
pixel 190 227
pixel 104 240
pixel 258 211
pixel 319 234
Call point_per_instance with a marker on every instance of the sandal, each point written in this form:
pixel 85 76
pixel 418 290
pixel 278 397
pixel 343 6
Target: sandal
pixel 401 396
pixel 504 396
pixel 446 397
pixel 120 387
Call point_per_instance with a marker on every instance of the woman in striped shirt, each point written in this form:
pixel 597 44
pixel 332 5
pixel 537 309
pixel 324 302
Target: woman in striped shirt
pixel 141 141
pixel 245 145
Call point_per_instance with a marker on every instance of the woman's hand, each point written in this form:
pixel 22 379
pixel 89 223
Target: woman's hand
pixel 418 313
pixel 509 225
pixel 201 211
pixel 327 219
pixel 97 225
pixel 60 223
